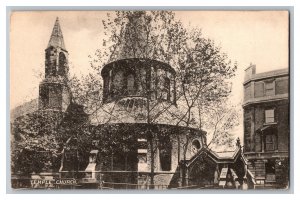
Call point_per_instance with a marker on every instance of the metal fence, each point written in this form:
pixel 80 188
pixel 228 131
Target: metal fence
pixel 124 180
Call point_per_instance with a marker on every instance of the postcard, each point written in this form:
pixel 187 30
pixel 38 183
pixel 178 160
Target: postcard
pixel 150 99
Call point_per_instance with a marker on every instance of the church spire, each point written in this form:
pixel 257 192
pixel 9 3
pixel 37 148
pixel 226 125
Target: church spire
pixel 57 39
pixel 54 91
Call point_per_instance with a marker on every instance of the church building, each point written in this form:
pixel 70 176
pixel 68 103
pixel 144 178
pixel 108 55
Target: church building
pixel 134 141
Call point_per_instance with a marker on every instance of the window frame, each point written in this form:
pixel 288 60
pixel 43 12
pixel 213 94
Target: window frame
pixel 167 87
pixel 266 117
pixel 271 89
pixel 270 143
pixel 131 89
pixel 194 146
pixel 165 155
pixel 117 82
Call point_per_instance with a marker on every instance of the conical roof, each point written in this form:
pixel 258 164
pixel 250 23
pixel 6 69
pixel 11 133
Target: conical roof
pixel 133 38
pixel 56 38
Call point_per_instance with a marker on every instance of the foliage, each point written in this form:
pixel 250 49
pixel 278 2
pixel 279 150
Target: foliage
pixel 34 139
pixel 39 138
pixel 203 70
pixel 225 118
pixel 203 81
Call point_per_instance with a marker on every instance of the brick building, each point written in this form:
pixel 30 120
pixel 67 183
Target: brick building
pixel 266 125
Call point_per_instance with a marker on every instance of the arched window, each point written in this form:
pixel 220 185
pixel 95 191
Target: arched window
pixel 165 154
pixel 118 82
pixel 130 84
pixel 141 80
pixel 165 88
pixel 62 64
pixel 195 146
pixel 167 83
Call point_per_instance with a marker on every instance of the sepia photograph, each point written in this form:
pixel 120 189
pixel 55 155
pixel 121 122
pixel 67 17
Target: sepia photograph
pixel 150 100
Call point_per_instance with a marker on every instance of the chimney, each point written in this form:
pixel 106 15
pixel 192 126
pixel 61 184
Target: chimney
pixel 249 71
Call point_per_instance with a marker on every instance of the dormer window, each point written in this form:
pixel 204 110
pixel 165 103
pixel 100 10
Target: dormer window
pixel 269 116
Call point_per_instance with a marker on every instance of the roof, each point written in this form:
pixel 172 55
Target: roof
pixel 219 157
pixel 56 38
pixel 225 154
pixel 130 62
pixel 269 74
pixel 135 40
pixel 132 43
pixel 119 112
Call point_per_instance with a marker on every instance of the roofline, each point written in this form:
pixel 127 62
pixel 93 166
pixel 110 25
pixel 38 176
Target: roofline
pixel 217 158
pixel 152 124
pixel 233 158
pixel 56 37
pixel 135 60
pixel 269 74
pixel 259 100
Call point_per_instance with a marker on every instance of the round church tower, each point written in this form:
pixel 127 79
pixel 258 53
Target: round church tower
pixel 139 98
pixel 138 78
pixel 133 76
pixel 136 87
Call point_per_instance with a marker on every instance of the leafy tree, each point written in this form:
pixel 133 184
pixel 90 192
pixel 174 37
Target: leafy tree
pixel 225 118
pixel 35 142
pixel 148 36
pixel 203 79
pixel 203 70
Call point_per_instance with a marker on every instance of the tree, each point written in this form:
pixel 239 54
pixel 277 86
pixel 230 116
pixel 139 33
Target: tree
pixel 203 75
pixel 226 118
pixel 36 146
pixel 147 36
pixel 203 70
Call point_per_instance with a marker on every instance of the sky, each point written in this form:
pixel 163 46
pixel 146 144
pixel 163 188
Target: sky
pixel 258 37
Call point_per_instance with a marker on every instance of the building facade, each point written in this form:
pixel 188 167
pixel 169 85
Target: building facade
pixel 266 126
